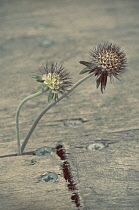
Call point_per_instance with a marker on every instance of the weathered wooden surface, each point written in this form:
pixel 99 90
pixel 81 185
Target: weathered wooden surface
pixel 32 32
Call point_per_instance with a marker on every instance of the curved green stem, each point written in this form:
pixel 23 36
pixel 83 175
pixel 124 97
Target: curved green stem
pixel 48 107
pixel 17 117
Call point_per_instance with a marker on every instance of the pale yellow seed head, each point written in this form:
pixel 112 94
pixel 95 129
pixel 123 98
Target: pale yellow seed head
pixel 52 80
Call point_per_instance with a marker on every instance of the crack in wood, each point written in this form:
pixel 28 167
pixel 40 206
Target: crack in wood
pixel 61 152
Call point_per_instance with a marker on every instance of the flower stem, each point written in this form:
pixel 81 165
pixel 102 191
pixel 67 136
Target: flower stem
pixel 17 117
pixel 49 106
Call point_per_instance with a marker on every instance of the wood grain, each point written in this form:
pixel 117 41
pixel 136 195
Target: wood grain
pixel 33 32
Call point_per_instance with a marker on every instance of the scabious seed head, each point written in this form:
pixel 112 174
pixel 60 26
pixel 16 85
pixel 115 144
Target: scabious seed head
pixel 107 59
pixel 55 78
pixel 52 80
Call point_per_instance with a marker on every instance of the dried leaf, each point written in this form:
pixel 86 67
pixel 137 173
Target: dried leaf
pixel 50 96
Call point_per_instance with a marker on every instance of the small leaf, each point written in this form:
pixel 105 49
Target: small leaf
pixel 46 88
pixel 38 79
pixel 104 80
pixel 56 96
pixel 98 82
pixel 90 67
pixel 50 96
pixel 84 63
pixel 84 71
pixel 88 64
pixel 41 87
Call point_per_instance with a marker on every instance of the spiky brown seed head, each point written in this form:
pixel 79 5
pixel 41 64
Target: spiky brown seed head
pixel 107 59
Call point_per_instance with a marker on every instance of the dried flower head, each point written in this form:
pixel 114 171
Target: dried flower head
pixel 107 59
pixel 54 78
